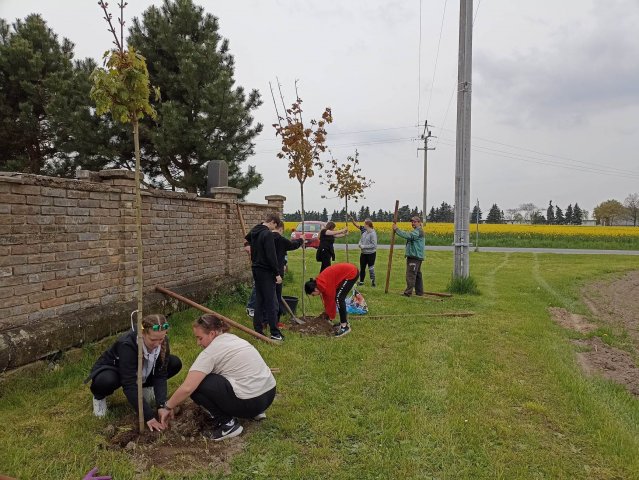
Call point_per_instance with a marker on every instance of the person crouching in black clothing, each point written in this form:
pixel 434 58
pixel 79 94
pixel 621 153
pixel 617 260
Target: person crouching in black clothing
pixel 118 366
pixel 265 275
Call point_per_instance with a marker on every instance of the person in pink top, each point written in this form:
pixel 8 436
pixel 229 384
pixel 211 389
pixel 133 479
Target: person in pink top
pixel 333 284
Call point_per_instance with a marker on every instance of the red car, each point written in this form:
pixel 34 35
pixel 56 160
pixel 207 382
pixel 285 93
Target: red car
pixel 311 232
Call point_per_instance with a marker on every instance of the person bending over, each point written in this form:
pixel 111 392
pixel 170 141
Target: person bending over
pixel 118 366
pixel 333 284
pixel 229 379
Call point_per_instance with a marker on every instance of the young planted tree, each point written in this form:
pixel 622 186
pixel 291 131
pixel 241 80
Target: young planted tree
pixel 122 88
pixel 346 180
pixel 302 145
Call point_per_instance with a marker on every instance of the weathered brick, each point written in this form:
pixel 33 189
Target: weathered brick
pixel 42 296
pixel 23 309
pixel 40 277
pixel 66 291
pixel 11 198
pixel 77 211
pixel 53 192
pixel 25 249
pixel 39 200
pixel 77 194
pixel 27 269
pixel 54 302
pixel 65 202
pixel 53 284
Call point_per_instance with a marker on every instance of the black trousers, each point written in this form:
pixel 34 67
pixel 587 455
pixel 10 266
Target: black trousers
pixel 367 259
pixel 340 297
pixel 216 395
pixel 108 381
pixel 266 303
pixel 325 257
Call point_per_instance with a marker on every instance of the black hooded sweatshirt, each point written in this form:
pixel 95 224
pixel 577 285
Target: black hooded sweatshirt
pixel 263 254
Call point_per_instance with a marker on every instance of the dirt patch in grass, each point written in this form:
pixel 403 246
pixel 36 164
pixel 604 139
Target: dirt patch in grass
pixel 614 303
pixel 319 325
pixel 182 448
pixel 572 321
pixel 614 364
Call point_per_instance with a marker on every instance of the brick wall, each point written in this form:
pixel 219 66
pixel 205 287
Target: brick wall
pixel 68 254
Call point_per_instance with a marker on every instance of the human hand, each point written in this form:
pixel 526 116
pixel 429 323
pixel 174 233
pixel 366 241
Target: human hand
pixel 154 425
pixel 278 280
pixel 89 476
pixel 394 226
pixel 165 415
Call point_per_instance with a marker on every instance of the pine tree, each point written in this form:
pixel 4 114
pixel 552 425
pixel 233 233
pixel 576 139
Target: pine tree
pixel 577 215
pixel 568 217
pixel 432 215
pixel 550 214
pixel 559 216
pixel 494 215
pixel 202 114
pixel 473 215
pixel 44 97
pixel 324 215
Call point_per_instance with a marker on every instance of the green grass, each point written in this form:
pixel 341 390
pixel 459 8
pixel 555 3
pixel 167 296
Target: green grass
pixel 523 241
pixel 496 395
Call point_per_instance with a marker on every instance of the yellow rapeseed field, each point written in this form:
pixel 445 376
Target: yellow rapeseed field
pixel 440 229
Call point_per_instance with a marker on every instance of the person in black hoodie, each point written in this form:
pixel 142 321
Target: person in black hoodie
pixel 265 274
pixel 118 366
pixel 282 246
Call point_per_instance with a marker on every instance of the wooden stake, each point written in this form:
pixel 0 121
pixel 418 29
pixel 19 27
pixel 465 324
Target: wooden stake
pixel 228 321
pixel 443 314
pixel 392 244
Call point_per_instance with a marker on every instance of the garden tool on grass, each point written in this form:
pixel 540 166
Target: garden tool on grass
pixel 293 317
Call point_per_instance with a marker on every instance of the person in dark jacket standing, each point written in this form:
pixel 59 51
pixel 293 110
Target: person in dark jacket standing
pixel 118 366
pixel 325 251
pixel 414 256
pixel 282 246
pixel 265 275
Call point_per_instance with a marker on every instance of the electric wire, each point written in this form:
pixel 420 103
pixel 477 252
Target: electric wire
pixel 432 83
pixel 419 66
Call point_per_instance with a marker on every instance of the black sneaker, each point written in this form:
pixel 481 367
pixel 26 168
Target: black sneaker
pixel 373 284
pixel 343 330
pixel 406 294
pixel 230 429
pixel 277 336
pixel 360 283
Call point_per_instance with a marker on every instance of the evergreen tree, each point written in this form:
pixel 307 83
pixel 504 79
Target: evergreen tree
pixel 432 215
pixel 550 214
pixel 202 115
pixel 44 97
pixel 367 213
pixel 324 217
pixel 403 214
pixel 559 216
pixel 568 217
pixel 494 215
pixel 577 215
pixel 536 218
pixel 474 214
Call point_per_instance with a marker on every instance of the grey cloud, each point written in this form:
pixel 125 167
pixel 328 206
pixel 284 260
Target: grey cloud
pixel 588 71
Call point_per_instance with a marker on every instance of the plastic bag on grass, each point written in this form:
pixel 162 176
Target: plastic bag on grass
pixel 355 304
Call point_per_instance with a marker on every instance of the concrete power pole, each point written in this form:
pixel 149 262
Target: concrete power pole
pixel 462 167
pixel 425 136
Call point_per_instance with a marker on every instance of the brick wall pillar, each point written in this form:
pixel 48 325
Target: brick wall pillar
pixel 276 202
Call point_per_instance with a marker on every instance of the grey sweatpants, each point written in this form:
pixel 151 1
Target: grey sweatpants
pixel 414 276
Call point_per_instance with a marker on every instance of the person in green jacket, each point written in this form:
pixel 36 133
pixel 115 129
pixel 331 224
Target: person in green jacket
pixel 414 256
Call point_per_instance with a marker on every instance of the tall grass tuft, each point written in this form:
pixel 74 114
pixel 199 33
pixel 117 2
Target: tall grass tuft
pixel 463 286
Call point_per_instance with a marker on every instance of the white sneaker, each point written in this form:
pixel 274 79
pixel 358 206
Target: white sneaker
pixel 259 416
pixel 99 407
pixel 250 312
pixel 149 394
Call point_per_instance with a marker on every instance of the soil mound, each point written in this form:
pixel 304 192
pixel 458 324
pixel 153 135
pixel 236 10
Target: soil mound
pixel 572 321
pixel 181 448
pixel 319 325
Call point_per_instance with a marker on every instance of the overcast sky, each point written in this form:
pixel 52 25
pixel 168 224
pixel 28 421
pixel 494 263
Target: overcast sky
pixel 555 102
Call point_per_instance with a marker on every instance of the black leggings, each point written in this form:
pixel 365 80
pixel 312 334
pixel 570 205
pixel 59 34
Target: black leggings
pixel 216 395
pixel 340 297
pixel 108 381
pixel 367 259
pixel 325 257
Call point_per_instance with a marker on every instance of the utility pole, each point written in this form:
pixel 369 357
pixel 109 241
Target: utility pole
pixel 462 166
pixel 425 136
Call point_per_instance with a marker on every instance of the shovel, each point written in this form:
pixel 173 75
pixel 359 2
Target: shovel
pixel 293 317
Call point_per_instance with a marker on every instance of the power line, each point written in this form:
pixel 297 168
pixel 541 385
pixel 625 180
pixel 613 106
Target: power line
pixel 432 83
pixel 419 66
pixel 333 134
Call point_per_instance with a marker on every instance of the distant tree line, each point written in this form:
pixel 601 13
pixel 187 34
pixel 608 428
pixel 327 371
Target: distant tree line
pixel 613 212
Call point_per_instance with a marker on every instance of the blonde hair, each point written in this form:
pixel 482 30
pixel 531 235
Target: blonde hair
pixel 210 323
pixel 148 322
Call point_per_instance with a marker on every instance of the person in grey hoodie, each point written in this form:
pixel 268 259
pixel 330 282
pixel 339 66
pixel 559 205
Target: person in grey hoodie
pixel 368 245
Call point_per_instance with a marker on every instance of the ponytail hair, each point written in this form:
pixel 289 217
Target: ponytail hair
pixel 209 323
pixel 310 286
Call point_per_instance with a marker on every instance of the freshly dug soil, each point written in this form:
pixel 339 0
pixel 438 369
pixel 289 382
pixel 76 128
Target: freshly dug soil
pixel 319 325
pixel 181 448
pixel 616 304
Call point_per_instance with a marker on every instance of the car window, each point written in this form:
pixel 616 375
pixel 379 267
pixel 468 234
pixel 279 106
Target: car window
pixel 310 227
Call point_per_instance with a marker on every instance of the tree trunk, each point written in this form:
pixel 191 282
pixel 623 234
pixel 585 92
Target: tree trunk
pixel 346 224
pixel 138 233
pixel 303 251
